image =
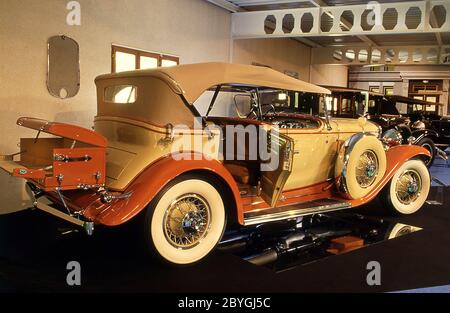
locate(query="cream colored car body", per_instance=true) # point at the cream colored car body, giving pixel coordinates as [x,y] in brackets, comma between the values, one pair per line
[315,151]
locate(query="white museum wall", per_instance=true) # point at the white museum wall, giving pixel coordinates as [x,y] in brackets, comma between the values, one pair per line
[329,75]
[280,54]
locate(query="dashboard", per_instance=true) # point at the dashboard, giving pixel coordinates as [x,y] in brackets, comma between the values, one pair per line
[295,123]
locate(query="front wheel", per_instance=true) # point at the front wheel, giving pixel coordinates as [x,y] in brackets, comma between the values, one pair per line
[186,221]
[428,144]
[408,189]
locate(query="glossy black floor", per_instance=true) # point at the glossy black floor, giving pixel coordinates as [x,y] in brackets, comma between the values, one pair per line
[33,257]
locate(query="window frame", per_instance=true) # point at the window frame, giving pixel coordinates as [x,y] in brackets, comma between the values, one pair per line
[105,100]
[388,90]
[138,53]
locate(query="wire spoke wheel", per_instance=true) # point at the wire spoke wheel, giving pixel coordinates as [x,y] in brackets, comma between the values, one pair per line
[187,221]
[408,187]
[367,169]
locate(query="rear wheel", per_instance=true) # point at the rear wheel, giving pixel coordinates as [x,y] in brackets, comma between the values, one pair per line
[186,221]
[408,189]
[428,144]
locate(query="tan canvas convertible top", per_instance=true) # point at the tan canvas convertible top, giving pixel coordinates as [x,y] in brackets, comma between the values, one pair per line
[193,79]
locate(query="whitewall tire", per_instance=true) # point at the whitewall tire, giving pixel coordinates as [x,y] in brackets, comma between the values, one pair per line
[408,189]
[186,221]
[363,169]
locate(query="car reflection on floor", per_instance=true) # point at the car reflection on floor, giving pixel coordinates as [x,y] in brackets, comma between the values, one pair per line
[285,245]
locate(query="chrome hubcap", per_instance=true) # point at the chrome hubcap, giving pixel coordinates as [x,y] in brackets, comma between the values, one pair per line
[367,169]
[408,187]
[187,221]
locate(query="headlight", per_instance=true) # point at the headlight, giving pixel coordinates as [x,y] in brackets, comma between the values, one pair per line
[418,125]
[392,137]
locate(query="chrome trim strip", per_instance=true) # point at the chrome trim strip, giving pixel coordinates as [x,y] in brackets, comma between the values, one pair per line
[296,212]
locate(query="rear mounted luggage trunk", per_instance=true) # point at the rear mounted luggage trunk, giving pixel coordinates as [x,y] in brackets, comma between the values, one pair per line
[73,159]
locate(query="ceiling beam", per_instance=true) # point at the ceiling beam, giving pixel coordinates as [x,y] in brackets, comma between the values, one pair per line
[316,3]
[234,8]
[224,4]
[344,22]
[302,40]
[433,22]
[248,3]
[308,42]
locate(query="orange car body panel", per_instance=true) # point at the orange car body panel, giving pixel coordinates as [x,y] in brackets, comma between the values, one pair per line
[68,131]
[396,157]
[147,186]
[68,168]
[290,197]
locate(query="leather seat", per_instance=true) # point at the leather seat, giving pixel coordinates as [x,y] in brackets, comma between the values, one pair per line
[239,172]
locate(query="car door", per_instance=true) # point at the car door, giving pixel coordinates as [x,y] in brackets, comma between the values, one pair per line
[274,179]
[444,127]
[314,156]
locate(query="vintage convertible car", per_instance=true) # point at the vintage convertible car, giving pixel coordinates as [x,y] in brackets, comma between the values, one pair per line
[187,148]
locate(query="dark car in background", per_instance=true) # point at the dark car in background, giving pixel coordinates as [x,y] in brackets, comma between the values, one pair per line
[404,119]
[425,115]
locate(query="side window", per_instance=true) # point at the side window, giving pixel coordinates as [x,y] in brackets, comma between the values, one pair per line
[346,106]
[242,104]
[120,94]
[229,103]
[372,107]
[402,107]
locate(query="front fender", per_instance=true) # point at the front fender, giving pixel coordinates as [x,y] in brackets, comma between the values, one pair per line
[152,180]
[395,158]
[422,133]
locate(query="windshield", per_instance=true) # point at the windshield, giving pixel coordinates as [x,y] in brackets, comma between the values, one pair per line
[238,101]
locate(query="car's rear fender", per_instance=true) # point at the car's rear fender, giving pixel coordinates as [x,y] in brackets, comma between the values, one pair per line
[395,158]
[153,179]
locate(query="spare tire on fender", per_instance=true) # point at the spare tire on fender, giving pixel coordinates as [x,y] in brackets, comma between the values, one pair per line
[360,165]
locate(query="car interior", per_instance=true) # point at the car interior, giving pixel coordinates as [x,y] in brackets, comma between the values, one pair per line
[249,105]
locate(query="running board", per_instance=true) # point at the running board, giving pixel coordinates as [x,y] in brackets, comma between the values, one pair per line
[294,211]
